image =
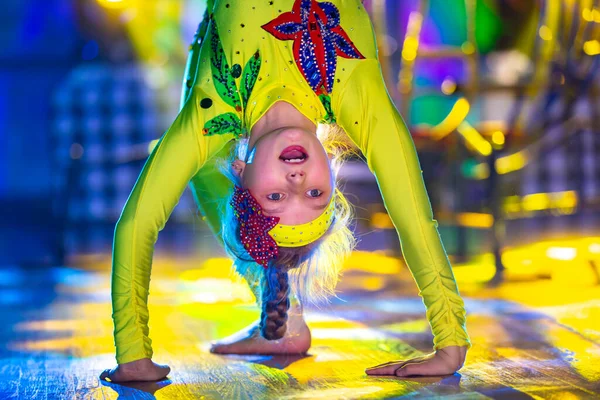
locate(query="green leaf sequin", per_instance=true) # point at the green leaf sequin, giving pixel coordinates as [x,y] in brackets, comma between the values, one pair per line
[223,124]
[329,116]
[249,77]
[222,78]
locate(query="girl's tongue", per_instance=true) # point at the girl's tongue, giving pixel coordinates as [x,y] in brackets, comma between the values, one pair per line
[289,154]
[297,153]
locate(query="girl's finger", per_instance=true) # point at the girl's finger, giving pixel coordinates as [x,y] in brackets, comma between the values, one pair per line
[385,369]
[424,368]
[386,364]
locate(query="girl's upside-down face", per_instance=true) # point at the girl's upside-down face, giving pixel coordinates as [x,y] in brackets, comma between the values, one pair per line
[289,174]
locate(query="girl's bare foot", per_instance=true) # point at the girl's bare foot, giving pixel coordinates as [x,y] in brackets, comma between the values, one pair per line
[249,340]
[139,370]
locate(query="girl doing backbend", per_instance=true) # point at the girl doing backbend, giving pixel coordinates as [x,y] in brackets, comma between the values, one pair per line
[272,85]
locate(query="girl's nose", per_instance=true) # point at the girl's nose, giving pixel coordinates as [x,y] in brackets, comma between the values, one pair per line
[296,177]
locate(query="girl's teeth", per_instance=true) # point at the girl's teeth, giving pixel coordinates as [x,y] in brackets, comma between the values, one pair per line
[294,160]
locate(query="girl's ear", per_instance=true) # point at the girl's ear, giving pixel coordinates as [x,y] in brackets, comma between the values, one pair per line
[238,168]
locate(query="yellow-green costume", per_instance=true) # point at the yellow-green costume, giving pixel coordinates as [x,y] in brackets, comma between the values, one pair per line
[243,67]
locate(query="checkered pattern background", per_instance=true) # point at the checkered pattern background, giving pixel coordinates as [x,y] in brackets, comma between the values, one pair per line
[574,165]
[569,161]
[567,157]
[108,115]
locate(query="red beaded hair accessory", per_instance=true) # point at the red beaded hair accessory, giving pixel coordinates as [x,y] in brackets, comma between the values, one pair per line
[254,227]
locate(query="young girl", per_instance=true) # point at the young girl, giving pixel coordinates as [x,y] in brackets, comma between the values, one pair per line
[272,83]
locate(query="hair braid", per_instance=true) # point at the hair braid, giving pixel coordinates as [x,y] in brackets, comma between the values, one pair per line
[275,302]
[275,297]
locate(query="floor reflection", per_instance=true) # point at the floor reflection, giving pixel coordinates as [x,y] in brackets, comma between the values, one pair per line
[532,338]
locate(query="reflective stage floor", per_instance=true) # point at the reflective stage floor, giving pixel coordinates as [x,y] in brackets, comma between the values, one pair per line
[531,338]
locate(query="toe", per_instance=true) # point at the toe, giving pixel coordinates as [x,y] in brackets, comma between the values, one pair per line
[218,348]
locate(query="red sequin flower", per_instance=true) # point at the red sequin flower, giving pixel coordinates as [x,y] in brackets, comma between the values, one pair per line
[318,40]
[254,227]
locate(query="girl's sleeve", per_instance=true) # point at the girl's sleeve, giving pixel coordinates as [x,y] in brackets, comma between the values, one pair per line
[178,155]
[370,118]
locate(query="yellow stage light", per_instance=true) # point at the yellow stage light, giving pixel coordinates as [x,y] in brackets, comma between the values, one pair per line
[409,54]
[512,162]
[475,139]
[545,33]
[536,202]
[504,165]
[512,204]
[594,248]
[373,262]
[557,259]
[480,269]
[498,138]
[373,283]
[475,220]
[591,47]
[455,117]
[565,202]
[562,253]
[411,42]
[381,220]
[114,4]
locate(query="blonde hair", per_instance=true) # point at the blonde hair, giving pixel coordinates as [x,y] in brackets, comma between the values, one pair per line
[316,272]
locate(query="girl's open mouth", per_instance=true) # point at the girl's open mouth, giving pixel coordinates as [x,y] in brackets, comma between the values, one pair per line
[294,155]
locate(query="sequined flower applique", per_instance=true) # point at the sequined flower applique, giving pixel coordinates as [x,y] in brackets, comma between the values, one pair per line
[254,227]
[318,40]
[224,79]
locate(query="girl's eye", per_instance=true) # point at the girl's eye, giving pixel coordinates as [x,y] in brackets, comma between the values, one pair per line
[314,193]
[274,196]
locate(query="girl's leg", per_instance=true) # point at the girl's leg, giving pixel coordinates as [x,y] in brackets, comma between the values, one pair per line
[210,187]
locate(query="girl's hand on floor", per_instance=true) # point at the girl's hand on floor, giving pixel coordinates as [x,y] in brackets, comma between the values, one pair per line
[139,370]
[444,361]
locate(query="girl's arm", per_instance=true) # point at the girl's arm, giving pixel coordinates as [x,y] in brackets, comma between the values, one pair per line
[370,118]
[178,155]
